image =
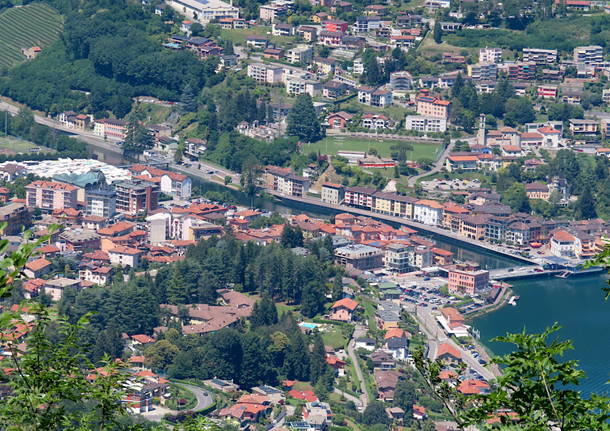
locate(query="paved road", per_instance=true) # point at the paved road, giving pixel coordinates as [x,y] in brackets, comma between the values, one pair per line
[436,336]
[204,399]
[359,331]
[437,167]
[348,396]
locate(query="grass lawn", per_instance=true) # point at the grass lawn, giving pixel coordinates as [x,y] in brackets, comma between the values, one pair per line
[13,145]
[429,47]
[239,36]
[334,338]
[333,144]
[155,114]
[454,175]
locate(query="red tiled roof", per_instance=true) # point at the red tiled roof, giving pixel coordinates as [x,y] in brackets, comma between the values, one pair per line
[55,185]
[38,264]
[471,387]
[448,349]
[308,396]
[142,338]
[348,303]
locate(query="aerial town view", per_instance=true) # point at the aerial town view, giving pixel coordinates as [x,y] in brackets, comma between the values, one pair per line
[310,215]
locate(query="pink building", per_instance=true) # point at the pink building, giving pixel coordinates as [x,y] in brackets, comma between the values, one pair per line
[110,129]
[50,195]
[467,282]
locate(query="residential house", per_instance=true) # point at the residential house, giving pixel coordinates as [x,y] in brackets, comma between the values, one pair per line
[338,120]
[386,381]
[37,268]
[428,212]
[374,97]
[285,181]
[50,195]
[343,310]
[332,193]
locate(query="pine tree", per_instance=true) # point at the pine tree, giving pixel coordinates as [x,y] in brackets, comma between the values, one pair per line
[318,365]
[438,32]
[188,99]
[585,205]
[372,72]
[303,121]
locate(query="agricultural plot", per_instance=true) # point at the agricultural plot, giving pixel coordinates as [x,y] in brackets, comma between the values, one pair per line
[24,27]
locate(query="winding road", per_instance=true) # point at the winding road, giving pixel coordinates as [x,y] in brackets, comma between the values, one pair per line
[359,331]
[204,399]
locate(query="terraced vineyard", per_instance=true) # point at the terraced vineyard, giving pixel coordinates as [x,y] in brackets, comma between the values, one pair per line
[25,26]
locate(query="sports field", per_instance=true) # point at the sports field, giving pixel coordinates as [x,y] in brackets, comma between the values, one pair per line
[333,144]
[12,145]
[24,27]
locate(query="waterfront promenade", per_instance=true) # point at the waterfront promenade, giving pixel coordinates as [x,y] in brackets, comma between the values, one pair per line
[406,222]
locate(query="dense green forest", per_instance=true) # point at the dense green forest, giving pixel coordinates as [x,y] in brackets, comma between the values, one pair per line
[563,34]
[110,51]
[133,307]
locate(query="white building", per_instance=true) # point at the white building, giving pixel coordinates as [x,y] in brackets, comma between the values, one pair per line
[125,256]
[540,56]
[428,212]
[300,54]
[490,55]
[204,11]
[265,73]
[422,123]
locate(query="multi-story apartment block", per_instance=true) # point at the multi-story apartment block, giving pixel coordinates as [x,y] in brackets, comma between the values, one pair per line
[273,11]
[101,202]
[547,91]
[204,11]
[359,256]
[361,197]
[332,193]
[591,55]
[335,25]
[467,282]
[285,181]
[108,128]
[300,54]
[375,97]
[490,55]
[50,195]
[483,71]
[330,38]
[522,71]
[401,80]
[433,107]
[422,123]
[398,257]
[136,196]
[578,126]
[540,56]
[16,216]
[265,73]
[296,85]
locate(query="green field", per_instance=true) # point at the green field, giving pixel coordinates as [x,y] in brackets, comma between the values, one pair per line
[333,144]
[12,145]
[239,36]
[25,26]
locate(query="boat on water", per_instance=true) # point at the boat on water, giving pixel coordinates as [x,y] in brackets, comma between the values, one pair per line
[513,300]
